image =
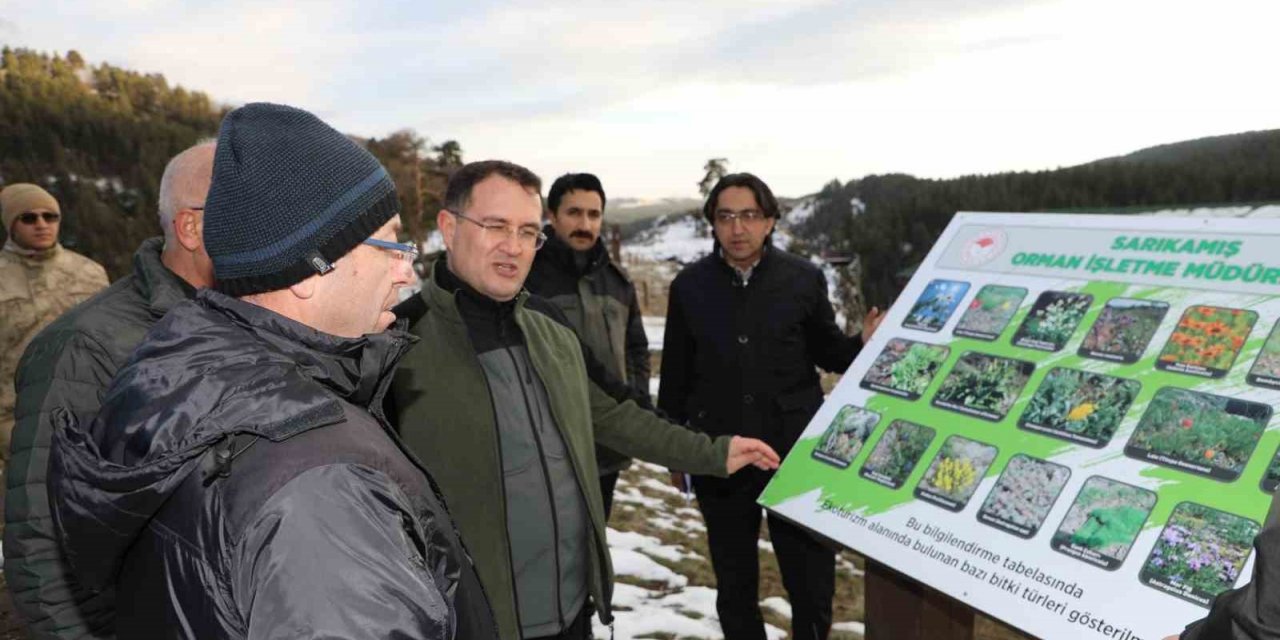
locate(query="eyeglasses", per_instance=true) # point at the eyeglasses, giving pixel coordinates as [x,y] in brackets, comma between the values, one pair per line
[726,217]
[30,217]
[500,231]
[405,252]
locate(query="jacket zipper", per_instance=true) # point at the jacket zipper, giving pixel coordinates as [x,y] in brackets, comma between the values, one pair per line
[546,481]
[506,523]
[597,535]
[502,488]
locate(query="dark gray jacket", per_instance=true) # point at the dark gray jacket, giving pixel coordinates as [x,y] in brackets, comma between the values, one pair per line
[69,365]
[241,481]
[599,301]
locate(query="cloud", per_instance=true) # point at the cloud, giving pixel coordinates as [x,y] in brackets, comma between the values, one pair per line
[643,91]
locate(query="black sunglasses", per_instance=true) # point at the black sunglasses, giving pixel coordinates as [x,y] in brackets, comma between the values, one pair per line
[30,217]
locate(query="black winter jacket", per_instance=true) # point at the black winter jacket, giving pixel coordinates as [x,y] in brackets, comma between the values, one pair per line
[600,303]
[739,358]
[70,365]
[241,481]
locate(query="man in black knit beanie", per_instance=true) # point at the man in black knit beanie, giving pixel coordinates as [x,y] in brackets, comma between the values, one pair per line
[241,480]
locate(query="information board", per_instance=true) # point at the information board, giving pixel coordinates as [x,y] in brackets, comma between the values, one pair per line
[1065,421]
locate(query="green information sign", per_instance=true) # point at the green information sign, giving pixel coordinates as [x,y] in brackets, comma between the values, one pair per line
[1066,421]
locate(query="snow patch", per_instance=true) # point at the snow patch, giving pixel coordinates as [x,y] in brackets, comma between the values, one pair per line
[800,213]
[655,329]
[680,239]
[647,545]
[640,566]
[660,487]
[779,605]
[855,627]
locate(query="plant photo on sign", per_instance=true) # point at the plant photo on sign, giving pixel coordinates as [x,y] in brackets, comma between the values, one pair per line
[983,386]
[1103,522]
[934,307]
[1200,553]
[955,472]
[1023,495]
[1271,477]
[897,453]
[1266,369]
[990,312]
[845,435]
[1123,329]
[1079,406]
[1207,341]
[1198,432]
[1053,318]
[905,368]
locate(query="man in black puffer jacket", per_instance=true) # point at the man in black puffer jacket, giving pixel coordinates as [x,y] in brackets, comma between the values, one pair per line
[746,326]
[241,479]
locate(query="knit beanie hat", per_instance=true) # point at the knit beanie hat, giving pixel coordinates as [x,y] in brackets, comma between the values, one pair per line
[21,197]
[290,195]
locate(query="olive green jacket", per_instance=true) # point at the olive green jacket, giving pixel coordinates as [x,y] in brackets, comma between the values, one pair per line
[446,417]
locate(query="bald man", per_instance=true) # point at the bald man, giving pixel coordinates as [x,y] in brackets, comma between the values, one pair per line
[70,365]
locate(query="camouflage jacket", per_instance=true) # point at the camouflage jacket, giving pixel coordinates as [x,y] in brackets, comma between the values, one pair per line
[35,290]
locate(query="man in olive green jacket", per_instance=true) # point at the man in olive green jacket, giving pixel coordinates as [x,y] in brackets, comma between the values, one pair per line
[503,405]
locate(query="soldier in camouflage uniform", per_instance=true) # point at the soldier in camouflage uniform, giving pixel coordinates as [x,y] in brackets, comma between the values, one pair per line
[39,280]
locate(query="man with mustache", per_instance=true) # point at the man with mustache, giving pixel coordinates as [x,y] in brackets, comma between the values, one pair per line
[574,271]
[503,403]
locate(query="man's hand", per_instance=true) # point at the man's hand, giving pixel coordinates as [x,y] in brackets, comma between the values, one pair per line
[1173,637]
[745,451]
[870,322]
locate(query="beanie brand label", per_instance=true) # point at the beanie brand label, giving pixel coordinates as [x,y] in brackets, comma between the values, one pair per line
[318,263]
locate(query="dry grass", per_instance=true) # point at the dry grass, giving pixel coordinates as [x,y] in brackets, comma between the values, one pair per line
[848,604]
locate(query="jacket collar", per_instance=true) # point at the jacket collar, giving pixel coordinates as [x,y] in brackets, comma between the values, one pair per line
[33,256]
[766,257]
[467,302]
[160,287]
[564,257]
[356,369]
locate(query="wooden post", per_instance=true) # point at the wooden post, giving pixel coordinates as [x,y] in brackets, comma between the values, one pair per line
[899,608]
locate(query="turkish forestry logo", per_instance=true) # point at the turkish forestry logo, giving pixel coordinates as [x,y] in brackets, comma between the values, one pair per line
[984,247]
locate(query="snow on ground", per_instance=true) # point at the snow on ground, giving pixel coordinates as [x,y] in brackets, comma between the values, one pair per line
[681,239]
[801,212]
[628,494]
[671,238]
[672,608]
[855,627]
[640,566]
[779,606]
[648,545]
[655,329]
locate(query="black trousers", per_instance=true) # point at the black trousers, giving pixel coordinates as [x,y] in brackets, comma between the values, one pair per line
[607,484]
[808,567]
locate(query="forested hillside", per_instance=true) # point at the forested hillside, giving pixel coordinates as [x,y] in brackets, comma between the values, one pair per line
[891,221]
[98,138]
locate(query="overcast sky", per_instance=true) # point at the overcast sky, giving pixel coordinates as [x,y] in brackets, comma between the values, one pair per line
[642,92]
